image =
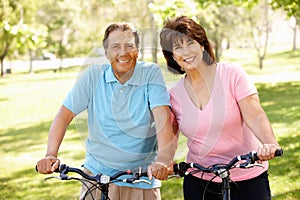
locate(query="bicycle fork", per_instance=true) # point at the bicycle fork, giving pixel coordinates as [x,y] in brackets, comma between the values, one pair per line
[226,188]
[224,174]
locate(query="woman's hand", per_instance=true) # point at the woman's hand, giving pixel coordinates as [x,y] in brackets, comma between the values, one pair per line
[267,151]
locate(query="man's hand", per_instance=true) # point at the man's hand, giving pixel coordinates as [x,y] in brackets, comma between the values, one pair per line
[160,170]
[47,165]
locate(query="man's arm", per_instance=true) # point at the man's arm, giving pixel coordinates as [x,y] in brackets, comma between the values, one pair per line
[167,143]
[57,132]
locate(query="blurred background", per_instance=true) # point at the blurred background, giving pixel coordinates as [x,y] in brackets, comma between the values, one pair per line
[32,30]
[44,45]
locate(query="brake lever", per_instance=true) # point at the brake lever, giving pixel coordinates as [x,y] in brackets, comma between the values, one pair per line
[254,165]
[249,165]
[57,177]
[174,176]
[141,181]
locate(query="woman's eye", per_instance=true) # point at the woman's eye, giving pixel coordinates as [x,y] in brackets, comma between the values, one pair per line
[176,48]
[191,42]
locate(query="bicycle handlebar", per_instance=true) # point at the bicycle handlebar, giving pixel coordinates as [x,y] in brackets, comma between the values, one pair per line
[101,178]
[182,167]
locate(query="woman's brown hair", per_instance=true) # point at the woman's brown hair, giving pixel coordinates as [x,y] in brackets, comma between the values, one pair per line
[176,30]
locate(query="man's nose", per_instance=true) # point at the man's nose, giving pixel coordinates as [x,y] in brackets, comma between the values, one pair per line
[123,50]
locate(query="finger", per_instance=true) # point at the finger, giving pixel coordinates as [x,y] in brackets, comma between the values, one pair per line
[55,166]
[149,173]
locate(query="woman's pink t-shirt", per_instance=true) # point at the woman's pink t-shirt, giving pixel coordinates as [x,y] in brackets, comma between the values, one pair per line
[217,133]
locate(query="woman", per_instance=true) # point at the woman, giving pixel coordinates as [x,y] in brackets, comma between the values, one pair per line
[217,108]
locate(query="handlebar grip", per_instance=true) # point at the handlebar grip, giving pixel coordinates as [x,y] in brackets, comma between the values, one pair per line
[181,168]
[175,168]
[278,152]
[56,170]
[144,174]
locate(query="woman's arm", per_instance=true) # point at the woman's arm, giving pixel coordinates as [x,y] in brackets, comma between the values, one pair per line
[257,120]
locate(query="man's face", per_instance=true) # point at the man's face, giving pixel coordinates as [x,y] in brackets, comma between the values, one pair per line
[122,52]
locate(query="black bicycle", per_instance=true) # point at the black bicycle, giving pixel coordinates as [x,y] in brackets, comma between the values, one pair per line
[221,170]
[99,181]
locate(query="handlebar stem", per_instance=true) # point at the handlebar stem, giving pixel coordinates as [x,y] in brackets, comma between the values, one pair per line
[223,173]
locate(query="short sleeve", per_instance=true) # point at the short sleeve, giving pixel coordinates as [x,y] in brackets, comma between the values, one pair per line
[79,96]
[157,90]
[243,85]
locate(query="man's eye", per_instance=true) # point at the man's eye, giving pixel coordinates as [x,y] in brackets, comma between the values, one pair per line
[115,47]
[129,47]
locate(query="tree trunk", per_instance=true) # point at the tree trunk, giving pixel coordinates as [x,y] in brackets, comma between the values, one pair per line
[142,47]
[295,36]
[261,60]
[2,66]
[154,45]
[30,62]
[154,35]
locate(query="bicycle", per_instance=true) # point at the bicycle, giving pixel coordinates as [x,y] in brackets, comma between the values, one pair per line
[221,170]
[99,181]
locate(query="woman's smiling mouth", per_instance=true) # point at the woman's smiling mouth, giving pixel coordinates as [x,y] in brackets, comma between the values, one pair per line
[189,60]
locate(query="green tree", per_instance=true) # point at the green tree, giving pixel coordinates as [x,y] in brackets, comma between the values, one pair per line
[10,25]
[260,22]
[220,22]
[18,31]
[30,40]
[292,8]
[59,18]
[162,10]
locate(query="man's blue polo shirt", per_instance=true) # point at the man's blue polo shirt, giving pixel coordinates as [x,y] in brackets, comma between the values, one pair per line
[121,127]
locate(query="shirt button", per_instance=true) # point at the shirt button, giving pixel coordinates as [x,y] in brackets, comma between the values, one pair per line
[121,91]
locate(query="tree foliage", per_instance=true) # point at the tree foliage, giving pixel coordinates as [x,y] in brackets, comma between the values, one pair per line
[19,32]
[69,28]
[292,7]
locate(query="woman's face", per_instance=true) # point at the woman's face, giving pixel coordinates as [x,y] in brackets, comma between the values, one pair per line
[188,53]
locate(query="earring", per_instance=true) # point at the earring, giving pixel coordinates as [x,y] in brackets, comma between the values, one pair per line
[173,58]
[182,69]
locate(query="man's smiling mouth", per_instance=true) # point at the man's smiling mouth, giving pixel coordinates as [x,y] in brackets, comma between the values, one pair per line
[123,61]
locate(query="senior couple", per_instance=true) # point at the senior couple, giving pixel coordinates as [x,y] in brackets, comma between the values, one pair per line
[134,121]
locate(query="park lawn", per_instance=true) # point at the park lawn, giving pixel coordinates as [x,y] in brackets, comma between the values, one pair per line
[29,103]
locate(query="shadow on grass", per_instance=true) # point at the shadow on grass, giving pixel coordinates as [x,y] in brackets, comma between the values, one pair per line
[22,182]
[288,164]
[291,195]
[286,54]
[28,184]
[281,101]
[16,139]
[23,139]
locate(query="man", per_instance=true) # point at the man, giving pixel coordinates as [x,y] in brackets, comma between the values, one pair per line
[128,118]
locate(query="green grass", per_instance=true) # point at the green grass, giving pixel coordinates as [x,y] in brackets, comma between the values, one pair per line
[28,103]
